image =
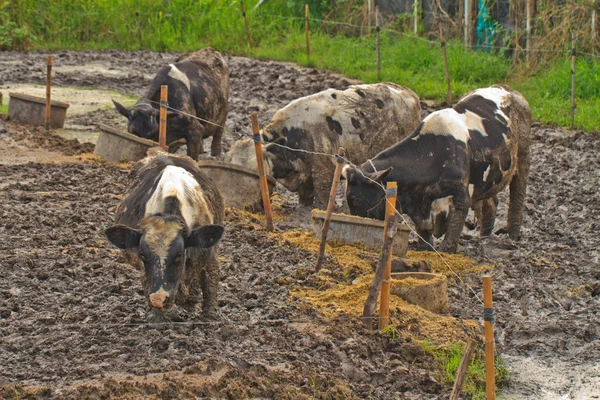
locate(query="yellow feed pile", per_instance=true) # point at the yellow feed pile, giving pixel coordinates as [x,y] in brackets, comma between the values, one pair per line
[453,262]
[344,254]
[409,319]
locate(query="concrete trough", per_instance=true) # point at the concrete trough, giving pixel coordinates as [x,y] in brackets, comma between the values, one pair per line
[239,186]
[117,146]
[424,289]
[365,231]
[31,110]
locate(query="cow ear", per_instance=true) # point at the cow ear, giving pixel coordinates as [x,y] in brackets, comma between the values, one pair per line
[123,236]
[347,172]
[122,110]
[205,237]
[379,176]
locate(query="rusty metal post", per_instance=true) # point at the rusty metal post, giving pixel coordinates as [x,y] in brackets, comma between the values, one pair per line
[488,321]
[139,28]
[264,187]
[446,65]
[162,129]
[377,29]
[384,300]
[330,206]
[573,55]
[246,23]
[48,91]
[306,29]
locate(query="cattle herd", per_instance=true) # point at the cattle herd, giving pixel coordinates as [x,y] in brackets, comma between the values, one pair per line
[458,158]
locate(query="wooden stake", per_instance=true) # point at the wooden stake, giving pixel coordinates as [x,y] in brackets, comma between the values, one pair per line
[467,22]
[446,65]
[375,287]
[48,91]
[162,128]
[416,15]
[527,30]
[461,373]
[247,26]
[264,187]
[306,29]
[377,44]
[488,321]
[594,17]
[573,55]
[368,17]
[330,206]
[384,300]
[139,27]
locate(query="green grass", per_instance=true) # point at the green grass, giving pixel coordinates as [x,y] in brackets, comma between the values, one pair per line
[3,109]
[185,25]
[449,360]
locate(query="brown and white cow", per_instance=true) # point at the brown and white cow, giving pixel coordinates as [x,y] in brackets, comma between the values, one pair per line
[199,86]
[363,119]
[171,219]
[460,155]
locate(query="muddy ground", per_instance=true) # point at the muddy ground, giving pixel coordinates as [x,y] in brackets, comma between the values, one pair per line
[64,292]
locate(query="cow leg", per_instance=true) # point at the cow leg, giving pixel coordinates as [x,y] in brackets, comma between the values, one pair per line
[426,243]
[195,146]
[518,189]
[487,216]
[217,136]
[456,221]
[322,175]
[209,280]
[306,194]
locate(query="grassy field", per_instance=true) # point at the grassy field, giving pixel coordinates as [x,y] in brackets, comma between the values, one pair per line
[277,33]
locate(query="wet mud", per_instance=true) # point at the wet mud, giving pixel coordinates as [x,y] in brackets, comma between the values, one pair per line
[65,293]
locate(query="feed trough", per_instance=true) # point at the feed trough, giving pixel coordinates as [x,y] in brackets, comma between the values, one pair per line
[117,146]
[365,231]
[32,110]
[424,289]
[239,186]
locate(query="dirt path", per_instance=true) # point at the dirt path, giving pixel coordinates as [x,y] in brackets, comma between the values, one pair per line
[546,287]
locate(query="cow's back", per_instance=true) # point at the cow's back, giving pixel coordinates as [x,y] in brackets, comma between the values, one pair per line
[145,177]
[364,119]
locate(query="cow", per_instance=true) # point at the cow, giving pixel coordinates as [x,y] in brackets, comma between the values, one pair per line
[198,87]
[363,119]
[171,220]
[461,156]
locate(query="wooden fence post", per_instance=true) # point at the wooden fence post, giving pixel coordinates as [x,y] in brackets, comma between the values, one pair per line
[330,206]
[306,29]
[377,29]
[527,29]
[488,321]
[416,16]
[461,372]
[162,129]
[594,17]
[573,55]
[467,22]
[139,28]
[48,91]
[384,300]
[246,23]
[446,65]
[264,187]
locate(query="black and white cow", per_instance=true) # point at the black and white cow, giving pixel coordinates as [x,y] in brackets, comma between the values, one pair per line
[363,119]
[199,86]
[171,219]
[462,155]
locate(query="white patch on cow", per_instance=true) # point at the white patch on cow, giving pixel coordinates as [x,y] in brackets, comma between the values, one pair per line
[393,89]
[446,122]
[243,153]
[471,189]
[176,74]
[442,205]
[475,122]
[177,182]
[345,171]
[486,173]
[498,95]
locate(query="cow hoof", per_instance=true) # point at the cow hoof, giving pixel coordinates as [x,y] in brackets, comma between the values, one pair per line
[502,231]
[212,315]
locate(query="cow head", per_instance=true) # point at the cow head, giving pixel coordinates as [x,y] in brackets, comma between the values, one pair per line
[288,166]
[143,119]
[364,194]
[161,243]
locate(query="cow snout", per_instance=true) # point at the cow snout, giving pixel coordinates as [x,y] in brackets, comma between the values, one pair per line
[159,299]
